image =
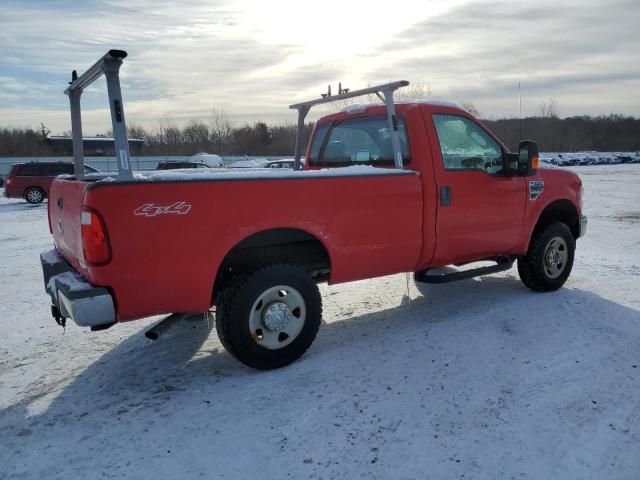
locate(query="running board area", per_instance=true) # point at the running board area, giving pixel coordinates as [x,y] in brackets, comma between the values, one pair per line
[502,264]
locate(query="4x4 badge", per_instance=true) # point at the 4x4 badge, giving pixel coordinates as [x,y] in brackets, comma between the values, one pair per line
[151,210]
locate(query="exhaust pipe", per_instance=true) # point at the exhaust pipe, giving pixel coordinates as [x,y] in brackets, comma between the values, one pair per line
[163,325]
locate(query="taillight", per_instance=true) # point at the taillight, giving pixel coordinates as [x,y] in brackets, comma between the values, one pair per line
[95,241]
[9,181]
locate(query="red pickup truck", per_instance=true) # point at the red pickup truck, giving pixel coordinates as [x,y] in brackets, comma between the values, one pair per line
[385,188]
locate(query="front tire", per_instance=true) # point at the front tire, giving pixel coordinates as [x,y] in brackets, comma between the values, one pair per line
[548,263]
[34,195]
[270,318]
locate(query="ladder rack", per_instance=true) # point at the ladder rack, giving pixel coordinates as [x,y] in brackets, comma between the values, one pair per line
[384,91]
[109,65]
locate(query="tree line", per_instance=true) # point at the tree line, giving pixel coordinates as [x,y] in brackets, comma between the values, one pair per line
[218,135]
[612,133]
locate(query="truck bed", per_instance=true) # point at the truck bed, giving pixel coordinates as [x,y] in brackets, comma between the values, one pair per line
[170,231]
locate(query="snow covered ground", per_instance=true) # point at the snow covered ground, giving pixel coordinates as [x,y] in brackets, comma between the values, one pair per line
[476,379]
[589,158]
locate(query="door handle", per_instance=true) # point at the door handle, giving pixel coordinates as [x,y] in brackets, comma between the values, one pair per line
[445,196]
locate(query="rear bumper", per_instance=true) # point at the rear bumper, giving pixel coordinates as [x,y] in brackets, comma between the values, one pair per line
[583,226]
[77,299]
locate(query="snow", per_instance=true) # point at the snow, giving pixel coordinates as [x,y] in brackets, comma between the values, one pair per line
[256,163]
[589,158]
[51,257]
[476,379]
[360,107]
[261,173]
[74,282]
[209,159]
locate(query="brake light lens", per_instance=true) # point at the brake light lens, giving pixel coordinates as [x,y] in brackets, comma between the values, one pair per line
[95,241]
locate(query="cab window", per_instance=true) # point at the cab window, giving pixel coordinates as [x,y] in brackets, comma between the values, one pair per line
[466,146]
[357,141]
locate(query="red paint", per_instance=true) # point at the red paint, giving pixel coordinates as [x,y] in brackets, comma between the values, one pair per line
[168,239]
[17,185]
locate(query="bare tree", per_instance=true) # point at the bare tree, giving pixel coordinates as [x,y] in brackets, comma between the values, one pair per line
[171,134]
[135,130]
[196,133]
[220,129]
[414,92]
[469,107]
[549,108]
[44,131]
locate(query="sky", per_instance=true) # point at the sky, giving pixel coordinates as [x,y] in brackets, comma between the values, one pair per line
[252,59]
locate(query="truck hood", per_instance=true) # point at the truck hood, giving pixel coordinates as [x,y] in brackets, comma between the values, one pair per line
[560,176]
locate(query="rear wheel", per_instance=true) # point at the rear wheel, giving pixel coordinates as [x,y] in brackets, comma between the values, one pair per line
[34,195]
[270,318]
[548,263]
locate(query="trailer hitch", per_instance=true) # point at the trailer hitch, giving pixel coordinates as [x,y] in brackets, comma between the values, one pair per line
[60,320]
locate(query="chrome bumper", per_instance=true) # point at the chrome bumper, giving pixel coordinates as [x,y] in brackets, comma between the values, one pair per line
[583,226]
[75,298]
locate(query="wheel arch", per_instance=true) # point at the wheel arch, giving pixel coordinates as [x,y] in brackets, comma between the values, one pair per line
[562,210]
[275,245]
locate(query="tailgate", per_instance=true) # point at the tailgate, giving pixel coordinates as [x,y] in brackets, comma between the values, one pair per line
[66,198]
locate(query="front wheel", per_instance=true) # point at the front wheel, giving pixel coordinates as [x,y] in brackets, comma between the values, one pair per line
[547,264]
[270,318]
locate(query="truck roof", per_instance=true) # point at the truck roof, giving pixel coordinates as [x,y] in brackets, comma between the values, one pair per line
[401,107]
[441,103]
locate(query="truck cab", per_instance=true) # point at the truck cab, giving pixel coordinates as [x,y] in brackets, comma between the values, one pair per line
[480,199]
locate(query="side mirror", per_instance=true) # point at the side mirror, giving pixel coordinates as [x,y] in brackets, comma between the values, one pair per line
[528,158]
[510,164]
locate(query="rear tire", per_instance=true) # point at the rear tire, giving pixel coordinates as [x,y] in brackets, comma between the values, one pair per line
[548,263]
[34,195]
[270,318]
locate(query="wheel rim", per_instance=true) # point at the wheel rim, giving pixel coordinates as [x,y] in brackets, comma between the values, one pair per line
[34,196]
[277,317]
[556,256]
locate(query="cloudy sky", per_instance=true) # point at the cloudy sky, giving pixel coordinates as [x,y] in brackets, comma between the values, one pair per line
[253,58]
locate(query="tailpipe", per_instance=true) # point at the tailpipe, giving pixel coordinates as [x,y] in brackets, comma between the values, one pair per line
[163,325]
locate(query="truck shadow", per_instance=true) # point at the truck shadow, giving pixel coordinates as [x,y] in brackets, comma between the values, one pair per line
[188,363]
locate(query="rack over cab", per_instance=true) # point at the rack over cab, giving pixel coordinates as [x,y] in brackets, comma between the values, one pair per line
[385,188]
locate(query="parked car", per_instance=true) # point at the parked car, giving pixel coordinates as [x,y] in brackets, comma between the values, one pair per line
[174,165]
[32,180]
[279,163]
[209,159]
[255,163]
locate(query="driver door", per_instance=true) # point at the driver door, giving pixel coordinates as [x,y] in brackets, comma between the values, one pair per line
[480,211]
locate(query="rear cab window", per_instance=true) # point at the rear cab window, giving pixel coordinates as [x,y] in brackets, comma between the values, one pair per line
[357,141]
